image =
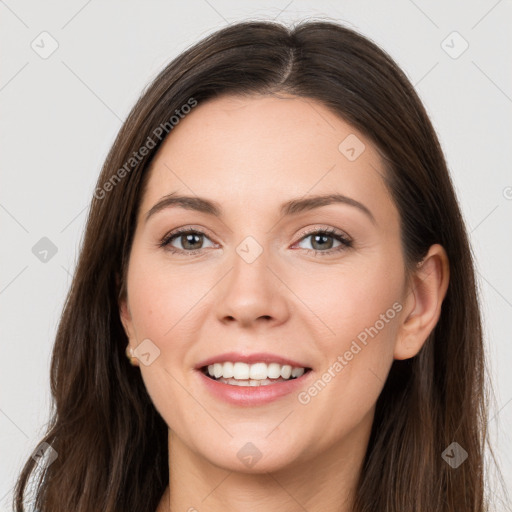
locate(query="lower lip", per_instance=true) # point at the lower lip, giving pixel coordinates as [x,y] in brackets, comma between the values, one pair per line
[253,395]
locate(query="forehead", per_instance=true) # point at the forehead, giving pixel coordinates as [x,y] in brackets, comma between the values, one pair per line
[259,151]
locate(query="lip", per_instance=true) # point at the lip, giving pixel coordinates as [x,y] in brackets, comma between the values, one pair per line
[249,396]
[260,357]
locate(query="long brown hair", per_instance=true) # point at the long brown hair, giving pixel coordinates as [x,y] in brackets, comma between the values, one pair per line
[111,443]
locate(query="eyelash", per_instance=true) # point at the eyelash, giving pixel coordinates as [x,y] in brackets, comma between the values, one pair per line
[331,232]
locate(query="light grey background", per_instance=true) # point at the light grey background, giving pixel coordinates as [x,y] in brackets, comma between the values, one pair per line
[60,114]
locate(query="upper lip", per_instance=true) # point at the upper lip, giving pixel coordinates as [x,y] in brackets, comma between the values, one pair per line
[259,357]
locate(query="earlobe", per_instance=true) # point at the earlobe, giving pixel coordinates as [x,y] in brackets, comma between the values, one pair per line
[429,285]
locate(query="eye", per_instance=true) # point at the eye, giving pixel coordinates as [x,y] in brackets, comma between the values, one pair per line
[322,241]
[191,241]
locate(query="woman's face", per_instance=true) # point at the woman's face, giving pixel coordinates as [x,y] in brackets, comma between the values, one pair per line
[272,277]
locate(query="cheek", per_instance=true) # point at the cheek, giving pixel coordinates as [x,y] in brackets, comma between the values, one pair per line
[356,364]
[355,324]
[162,307]
[350,297]
[163,300]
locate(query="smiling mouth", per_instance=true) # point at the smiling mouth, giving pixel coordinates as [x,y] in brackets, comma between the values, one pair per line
[252,375]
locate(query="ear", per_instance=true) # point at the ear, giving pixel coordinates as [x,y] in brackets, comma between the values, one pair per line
[126,320]
[425,294]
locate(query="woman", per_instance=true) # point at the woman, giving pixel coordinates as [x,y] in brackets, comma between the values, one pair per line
[276,243]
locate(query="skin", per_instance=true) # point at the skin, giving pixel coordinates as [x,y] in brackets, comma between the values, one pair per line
[252,154]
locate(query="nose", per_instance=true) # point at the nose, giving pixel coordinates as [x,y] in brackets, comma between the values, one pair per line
[253,293]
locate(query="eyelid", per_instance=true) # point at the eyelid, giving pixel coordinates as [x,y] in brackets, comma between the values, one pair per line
[323,229]
[345,240]
[184,229]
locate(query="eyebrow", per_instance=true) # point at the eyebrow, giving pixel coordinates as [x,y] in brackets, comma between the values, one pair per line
[289,208]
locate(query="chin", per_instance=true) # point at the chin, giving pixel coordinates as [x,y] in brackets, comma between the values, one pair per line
[252,457]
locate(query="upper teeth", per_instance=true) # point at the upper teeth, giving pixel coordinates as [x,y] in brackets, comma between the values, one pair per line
[256,371]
